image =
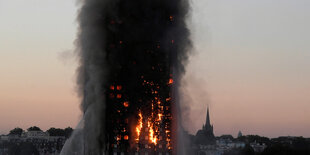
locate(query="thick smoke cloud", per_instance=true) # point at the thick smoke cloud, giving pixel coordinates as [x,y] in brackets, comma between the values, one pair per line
[125,40]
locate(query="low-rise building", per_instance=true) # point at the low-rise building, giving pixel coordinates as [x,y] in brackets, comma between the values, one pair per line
[42,141]
[258,147]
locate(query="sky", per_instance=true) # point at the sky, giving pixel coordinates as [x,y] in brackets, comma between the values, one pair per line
[250,64]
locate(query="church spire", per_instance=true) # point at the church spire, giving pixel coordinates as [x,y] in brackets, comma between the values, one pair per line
[206,135]
[208,118]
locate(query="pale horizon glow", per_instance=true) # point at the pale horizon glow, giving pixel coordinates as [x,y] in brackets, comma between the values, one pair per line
[250,65]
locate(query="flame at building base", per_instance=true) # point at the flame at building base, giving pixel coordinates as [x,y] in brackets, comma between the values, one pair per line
[132,56]
[140,121]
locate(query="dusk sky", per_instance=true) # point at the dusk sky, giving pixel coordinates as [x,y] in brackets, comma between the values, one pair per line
[250,64]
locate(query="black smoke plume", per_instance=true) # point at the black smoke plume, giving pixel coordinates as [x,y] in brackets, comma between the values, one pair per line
[126,43]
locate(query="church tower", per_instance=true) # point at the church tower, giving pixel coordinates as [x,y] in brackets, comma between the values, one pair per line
[206,136]
[207,126]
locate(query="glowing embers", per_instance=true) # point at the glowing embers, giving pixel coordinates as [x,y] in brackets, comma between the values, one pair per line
[119,87]
[115,89]
[119,96]
[170,81]
[126,104]
[119,137]
[118,121]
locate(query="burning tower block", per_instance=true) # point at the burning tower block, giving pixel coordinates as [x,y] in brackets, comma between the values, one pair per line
[132,56]
[139,116]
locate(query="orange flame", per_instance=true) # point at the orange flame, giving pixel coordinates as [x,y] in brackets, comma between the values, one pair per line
[153,138]
[139,127]
[159,116]
[153,122]
[118,138]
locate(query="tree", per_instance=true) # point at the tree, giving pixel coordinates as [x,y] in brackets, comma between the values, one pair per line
[17,131]
[60,132]
[34,128]
[23,148]
[56,132]
[254,138]
[227,137]
[68,132]
[247,150]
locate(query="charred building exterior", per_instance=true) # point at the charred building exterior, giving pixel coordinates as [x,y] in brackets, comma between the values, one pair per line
[132,58]
[139,114]
[138,96]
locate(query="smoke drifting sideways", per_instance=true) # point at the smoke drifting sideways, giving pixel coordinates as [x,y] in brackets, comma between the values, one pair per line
[121,39]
